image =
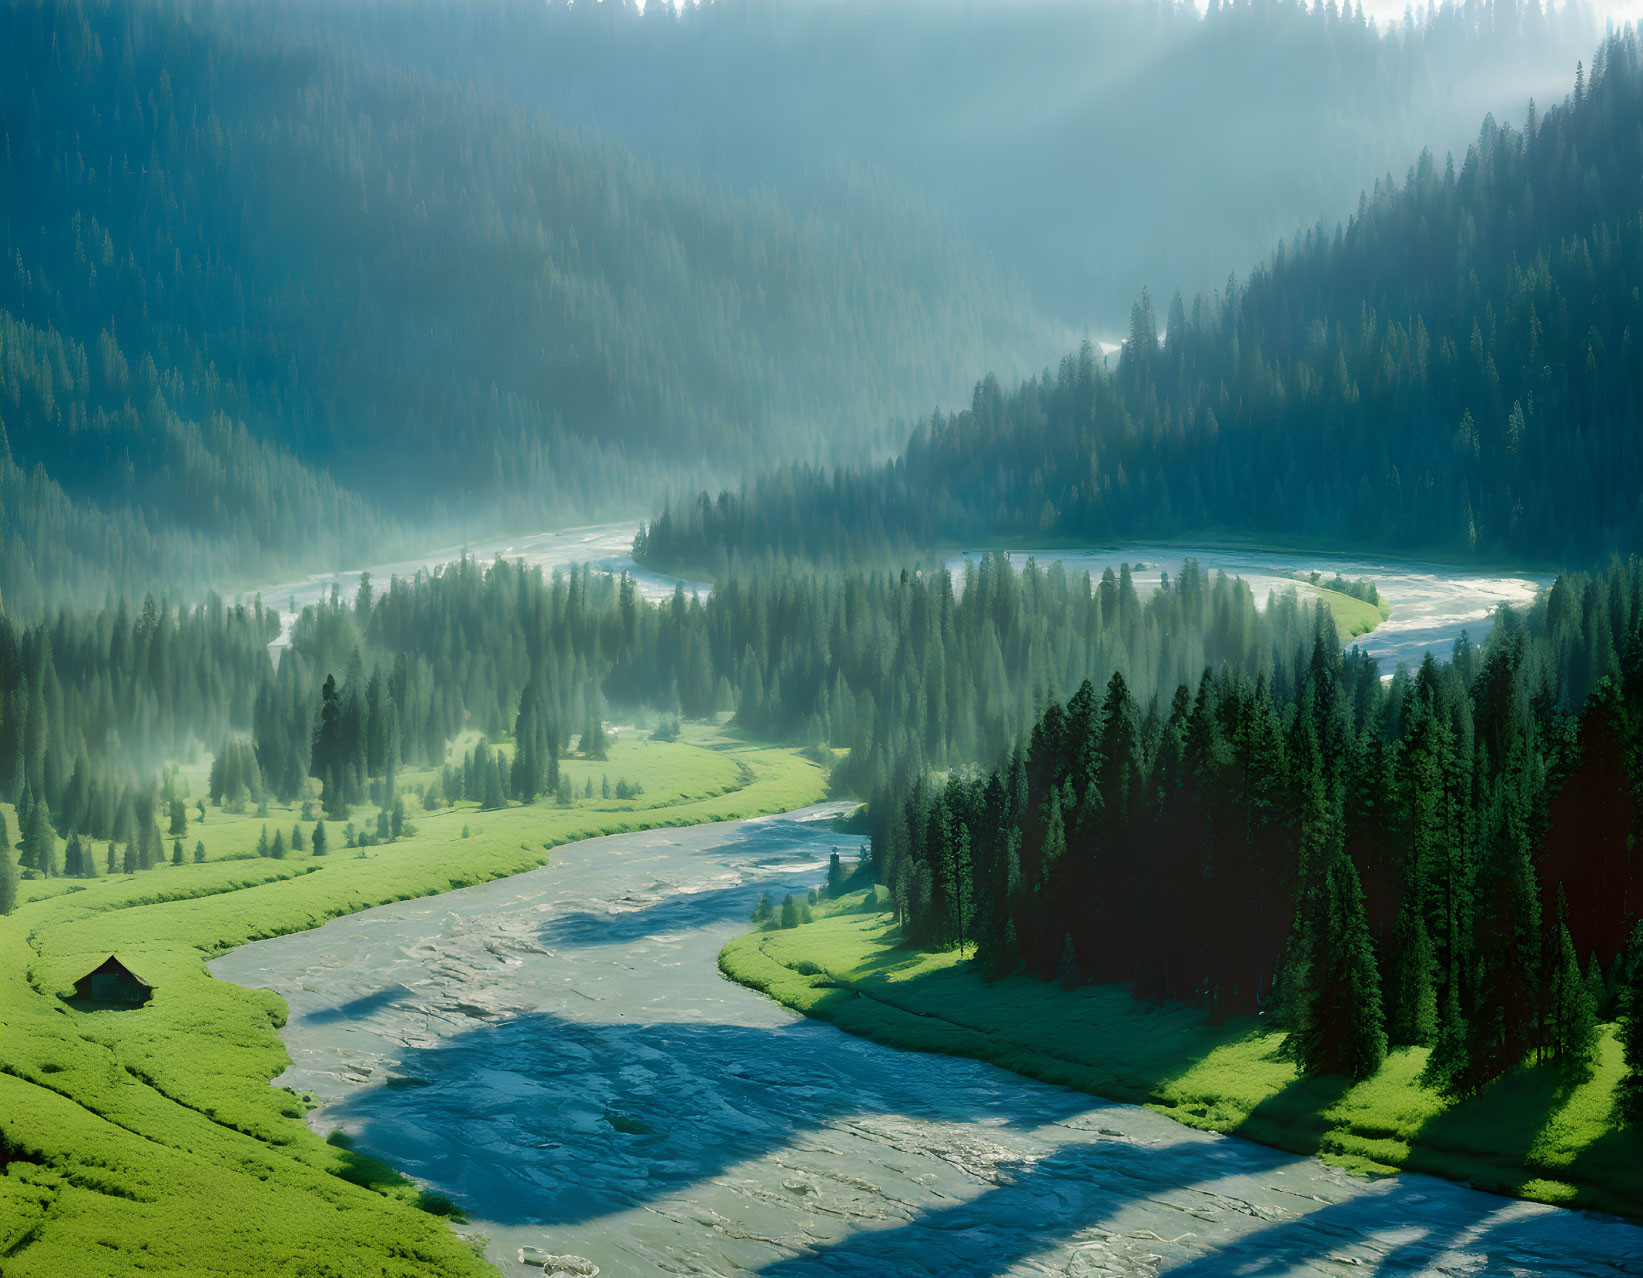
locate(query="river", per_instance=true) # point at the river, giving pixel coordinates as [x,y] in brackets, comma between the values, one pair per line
[1432,603]
[558,1053]
[607,547]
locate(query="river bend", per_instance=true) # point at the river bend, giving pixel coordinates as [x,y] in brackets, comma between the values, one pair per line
[559,1054]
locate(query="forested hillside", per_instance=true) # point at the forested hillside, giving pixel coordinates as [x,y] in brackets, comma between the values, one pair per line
[267,297]
[1454,368]
[1039,124]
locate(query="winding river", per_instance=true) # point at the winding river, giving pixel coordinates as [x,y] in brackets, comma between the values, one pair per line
[1432,603]
[558,1053]
[607,547]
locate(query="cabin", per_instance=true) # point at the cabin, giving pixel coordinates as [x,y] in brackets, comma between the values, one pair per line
[113,982]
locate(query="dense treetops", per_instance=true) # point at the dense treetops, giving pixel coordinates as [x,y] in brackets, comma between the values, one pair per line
[1455,368]
[903,671]
[1447,858]
[265,295]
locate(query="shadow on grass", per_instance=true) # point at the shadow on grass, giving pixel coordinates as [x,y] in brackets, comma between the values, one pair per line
[1295,1117]
[1489,1140]
[1613,1165]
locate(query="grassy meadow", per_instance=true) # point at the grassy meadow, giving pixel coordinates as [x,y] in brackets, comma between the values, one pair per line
[1353,616]
[155,1132]
[1535,1134]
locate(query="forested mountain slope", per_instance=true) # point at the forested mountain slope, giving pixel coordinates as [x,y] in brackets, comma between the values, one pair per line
[1455,368]
[253,270]
[1092,146]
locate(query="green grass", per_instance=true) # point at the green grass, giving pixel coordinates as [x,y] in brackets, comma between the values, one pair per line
[150,1142]
[1533,1135]
[1353,616]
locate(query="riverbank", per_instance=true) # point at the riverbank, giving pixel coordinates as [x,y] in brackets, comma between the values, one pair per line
[154,1133]
[1535,1135]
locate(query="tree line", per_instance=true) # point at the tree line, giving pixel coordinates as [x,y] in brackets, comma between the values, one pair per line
[896,671]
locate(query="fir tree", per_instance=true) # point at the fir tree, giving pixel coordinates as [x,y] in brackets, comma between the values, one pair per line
[1341,1027]
[1447,1068]
[1630,1028]
[8,882]
[1413,1001]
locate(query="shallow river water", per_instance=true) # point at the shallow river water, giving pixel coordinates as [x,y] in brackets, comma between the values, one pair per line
[558,1053]
[1432,603]
[607,547]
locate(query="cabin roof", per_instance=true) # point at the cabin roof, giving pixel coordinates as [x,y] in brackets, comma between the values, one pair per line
[112,966]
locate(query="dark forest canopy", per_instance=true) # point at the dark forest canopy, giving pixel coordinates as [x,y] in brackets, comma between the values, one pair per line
[268,300]
[1092,146]
[1449,858]
[1456,368]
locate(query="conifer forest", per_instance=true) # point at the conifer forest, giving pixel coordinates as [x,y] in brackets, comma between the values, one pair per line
[820,637]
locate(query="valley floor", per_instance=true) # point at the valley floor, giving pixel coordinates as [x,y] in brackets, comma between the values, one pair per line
[150,1141]
[1534,1135]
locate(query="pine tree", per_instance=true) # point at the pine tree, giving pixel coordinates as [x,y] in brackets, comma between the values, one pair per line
[276,849]
[1412,1005]
[1507,944]
[1341,1028]
[132,861]
[177,852]
[8,882]
[1447,1068]
[39,844]
[790,911]
[321,844]
[1066,966]
[199,851]
[1630,1028]
[1571,1030]
[492,796]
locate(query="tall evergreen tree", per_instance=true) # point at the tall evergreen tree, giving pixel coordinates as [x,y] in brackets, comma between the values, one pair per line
[1412,1001]
[1630,1028]
[1341,1027]
[8,882]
